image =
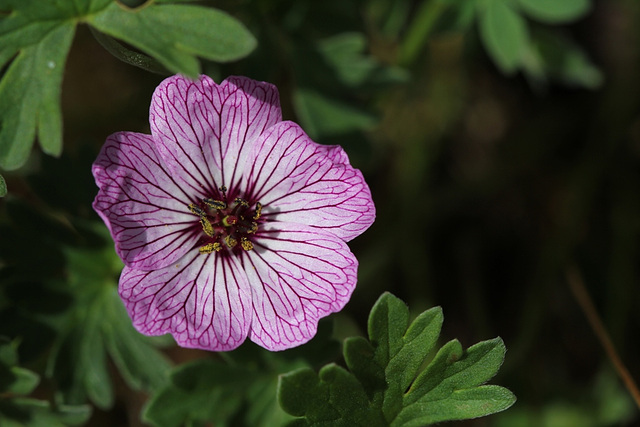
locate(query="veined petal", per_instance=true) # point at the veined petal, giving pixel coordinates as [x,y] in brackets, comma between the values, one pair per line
[298,275]
[250,108]
[300,181]
[141,204]
[204,301]
[204,131]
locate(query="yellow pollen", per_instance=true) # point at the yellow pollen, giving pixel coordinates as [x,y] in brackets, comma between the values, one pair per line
[258,212]
[241,202]
[215,204]
[254,228]
[230,241]
[207,227]
[196,210]
[246,244]
[207,249]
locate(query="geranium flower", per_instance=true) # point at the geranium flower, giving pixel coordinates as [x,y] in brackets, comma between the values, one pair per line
[230,222]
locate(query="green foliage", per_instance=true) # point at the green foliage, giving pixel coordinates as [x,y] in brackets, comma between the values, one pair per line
[604,403]
[505,33]
[553,11]
[330,68]
[241,390]
[386,383]
[3,187]
[176,34]
[97,327]
[30,95]
[17,410]
[555,56]
[208,390]
[35,38]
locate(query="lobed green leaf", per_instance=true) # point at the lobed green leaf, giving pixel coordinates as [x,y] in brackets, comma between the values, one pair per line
[30,98]
[460,405]
[325,116]
[384,385]
[561,59]
[99,327]
[504,34]
[175,33]
[213,391]
[555,11]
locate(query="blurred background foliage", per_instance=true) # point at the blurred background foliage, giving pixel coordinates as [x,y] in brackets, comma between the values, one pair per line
[501,141]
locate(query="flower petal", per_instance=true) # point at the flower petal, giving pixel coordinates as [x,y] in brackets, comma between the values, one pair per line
[298,180]
[204,301]
[141,204]
[298,275]
[203,131]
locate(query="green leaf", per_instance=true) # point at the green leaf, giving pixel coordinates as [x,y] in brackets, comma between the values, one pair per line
[3,187]
[20,412]
[504,34]
[323,116]
[30,98]
[14,379]
[98,327]
[460,405]
[345,54]
[201,390]
[25,381]
[140,364]
[439,393]
[333,397]
[385,384]
[555,56]
[555,11]
[16,410]
[175,34]
[216,392]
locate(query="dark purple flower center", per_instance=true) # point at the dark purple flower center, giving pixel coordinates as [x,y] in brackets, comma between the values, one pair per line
[227,224]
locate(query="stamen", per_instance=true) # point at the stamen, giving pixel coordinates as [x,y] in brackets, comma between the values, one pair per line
[196,210]
[246,244]
[258,212]
[210,247]
[215,204]
[253,228]
[241,202]
[223,190]
[231,241]
[207,227]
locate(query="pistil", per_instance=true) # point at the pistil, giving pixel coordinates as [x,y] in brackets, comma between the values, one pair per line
[224,225]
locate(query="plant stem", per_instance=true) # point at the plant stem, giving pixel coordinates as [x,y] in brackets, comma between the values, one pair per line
[584,300]
[419,30]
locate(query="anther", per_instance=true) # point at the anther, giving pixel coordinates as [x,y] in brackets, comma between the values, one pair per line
[207,227]
[246,244]
[230,241]
[241,202]
[215,204]
[253,228]
[210,247]
[196,210]
[258,211]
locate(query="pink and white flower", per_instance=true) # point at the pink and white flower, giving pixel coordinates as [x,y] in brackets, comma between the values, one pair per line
[230,222]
